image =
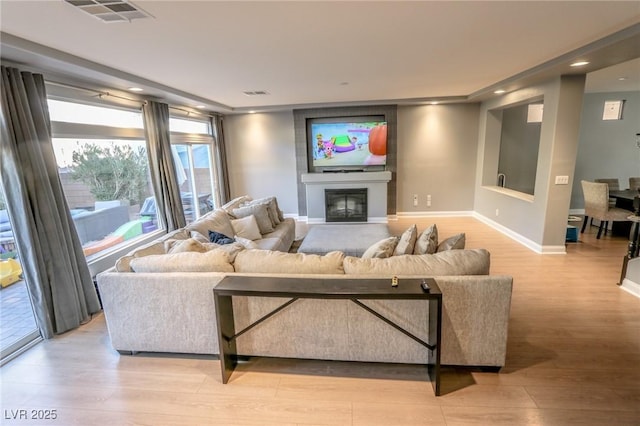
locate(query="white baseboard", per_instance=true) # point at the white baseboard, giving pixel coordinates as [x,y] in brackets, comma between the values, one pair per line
[315,221]
[631,287]
[436,214]
[532,245]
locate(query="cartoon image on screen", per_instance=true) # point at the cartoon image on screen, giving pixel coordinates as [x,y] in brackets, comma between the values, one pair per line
[349,143]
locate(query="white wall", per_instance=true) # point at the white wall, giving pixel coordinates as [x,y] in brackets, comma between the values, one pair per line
[261,156]
[437,150]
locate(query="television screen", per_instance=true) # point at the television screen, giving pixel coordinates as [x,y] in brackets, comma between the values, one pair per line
[348,142]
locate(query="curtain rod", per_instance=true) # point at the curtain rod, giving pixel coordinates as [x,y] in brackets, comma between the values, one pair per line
[139,101]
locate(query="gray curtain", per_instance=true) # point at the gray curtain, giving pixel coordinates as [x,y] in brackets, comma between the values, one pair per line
[221,159]
[54,265]
[163,172]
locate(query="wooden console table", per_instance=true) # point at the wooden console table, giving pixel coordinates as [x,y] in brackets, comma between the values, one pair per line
[319,288]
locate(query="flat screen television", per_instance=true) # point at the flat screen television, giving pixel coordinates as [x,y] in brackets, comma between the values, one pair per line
[347,143]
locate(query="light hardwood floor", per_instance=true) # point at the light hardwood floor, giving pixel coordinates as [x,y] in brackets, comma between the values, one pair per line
[573,358]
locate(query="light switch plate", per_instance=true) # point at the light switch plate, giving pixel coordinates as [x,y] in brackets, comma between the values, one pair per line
[562,180]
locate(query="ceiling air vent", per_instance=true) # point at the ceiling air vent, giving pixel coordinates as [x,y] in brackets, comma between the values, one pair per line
[110,10]
[256,92]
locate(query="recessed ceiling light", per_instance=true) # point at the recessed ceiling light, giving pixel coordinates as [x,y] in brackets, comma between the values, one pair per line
[622,78]
[499,92]
[579,64]
[344,83]
[252,112]
[135,89]
[200,106]
[434,102]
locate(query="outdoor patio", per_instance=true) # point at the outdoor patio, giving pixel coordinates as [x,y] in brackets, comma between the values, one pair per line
[16,315]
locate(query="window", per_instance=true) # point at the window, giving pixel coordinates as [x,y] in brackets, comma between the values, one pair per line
[105,176]
[193,157]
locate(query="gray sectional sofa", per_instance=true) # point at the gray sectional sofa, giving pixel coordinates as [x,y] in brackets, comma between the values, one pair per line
[163,302]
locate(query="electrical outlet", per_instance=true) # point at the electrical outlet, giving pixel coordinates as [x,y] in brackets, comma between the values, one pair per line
[415,199]
[562,180]
[429,200]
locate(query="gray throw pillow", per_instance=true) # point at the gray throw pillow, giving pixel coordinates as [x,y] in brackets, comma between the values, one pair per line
[272,208]
[455,242]
[260,212]
[427,242]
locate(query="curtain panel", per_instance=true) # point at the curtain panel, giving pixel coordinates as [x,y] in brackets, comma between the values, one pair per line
[161,164]
[222,169]
[53,263]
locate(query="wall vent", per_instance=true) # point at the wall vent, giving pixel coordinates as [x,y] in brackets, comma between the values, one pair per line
[256,92]
[110,10]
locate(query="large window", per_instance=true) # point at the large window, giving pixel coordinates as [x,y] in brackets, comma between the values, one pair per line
[192,146]
[103,166]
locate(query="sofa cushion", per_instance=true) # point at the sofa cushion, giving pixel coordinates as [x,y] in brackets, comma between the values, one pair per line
[178,234]
[427,242]
[246,243]
[455,242]
[124,263]
[381,249]
[217,220]
[212,261]
[451,262]
[407,241]
[261,213]
[199,237]
[266,261]
[246,227]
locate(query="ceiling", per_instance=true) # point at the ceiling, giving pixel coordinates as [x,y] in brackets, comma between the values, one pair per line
[324,53]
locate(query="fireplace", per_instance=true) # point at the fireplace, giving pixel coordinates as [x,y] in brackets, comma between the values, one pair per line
[346,205]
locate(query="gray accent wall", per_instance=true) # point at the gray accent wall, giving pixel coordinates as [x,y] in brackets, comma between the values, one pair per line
[607,149]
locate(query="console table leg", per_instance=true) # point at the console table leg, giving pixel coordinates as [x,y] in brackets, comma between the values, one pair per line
[226,331]
[435,339]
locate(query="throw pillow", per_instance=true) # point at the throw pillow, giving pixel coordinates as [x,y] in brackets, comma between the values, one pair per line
[407,241]
[260,212]
[218,238]
[272,208]
[381,249]
[199,237]
[217,220]
[246,243]
[427,242]
[455,242]
[246,227]
[190,244]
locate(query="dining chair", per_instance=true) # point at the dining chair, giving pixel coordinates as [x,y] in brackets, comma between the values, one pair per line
[634,183]
[596,206]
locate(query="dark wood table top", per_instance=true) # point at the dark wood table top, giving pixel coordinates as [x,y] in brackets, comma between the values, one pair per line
[324,288]
[627,194]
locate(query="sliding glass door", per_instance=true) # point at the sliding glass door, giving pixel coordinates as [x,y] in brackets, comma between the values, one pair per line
[18,329]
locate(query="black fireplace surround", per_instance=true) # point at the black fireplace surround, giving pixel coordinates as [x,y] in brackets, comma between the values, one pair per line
[345,205]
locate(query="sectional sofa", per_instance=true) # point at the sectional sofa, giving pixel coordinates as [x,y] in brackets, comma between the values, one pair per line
[159,300]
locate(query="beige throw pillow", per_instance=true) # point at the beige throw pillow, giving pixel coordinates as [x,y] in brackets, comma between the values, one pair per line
[381,249]
[277,262]
[246,243]
[272,208]
[427,242]
[455,242]
[407,241]
[260,212]
[217,220]
[246,227]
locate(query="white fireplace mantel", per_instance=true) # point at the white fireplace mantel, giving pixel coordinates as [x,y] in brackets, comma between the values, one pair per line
[375,182]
